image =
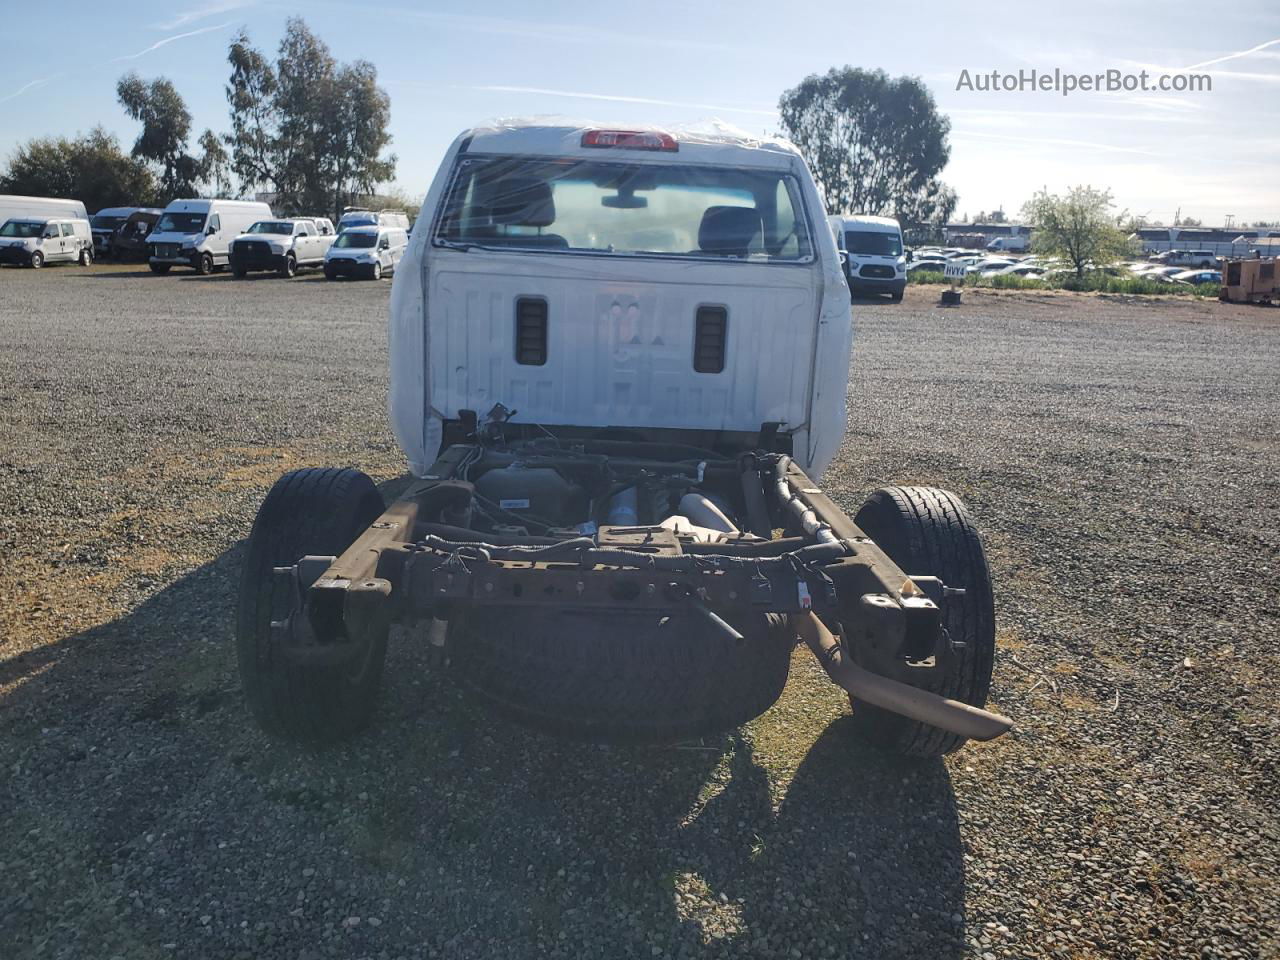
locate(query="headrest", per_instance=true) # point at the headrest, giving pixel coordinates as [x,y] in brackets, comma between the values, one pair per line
[728,230]
[517,201]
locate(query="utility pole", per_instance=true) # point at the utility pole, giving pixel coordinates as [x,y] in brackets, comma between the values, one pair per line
[1230,217]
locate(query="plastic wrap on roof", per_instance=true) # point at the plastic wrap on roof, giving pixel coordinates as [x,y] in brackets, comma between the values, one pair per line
[710,131]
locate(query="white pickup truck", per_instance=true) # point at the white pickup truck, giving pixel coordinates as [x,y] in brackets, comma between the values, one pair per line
[283,246]
[619,363]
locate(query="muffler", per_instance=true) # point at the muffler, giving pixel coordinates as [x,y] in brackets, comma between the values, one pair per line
[950,715]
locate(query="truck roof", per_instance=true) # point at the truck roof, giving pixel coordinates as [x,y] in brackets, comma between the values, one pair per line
[883,224]
[713,142]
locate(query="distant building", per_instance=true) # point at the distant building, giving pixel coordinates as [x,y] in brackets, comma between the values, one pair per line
[989,231]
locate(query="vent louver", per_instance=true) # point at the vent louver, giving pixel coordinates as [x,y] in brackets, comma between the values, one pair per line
[531,331]
[711,327]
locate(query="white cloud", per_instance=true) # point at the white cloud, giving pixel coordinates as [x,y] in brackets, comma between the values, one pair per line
[209,8]
[1056,142]
[615,98]
[542,29]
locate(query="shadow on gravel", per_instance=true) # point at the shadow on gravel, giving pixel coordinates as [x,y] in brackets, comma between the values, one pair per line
[129,753]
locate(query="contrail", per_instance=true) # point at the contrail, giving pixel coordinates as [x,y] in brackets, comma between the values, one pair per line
[179,36]
[619,99]
[27,86]
[1234,56]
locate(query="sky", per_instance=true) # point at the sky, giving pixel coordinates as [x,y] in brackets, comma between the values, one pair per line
[1208,153]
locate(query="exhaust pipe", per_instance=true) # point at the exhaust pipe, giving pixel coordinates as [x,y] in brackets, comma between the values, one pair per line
[950,715]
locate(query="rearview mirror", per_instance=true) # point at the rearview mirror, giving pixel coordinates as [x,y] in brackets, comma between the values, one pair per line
[624,201]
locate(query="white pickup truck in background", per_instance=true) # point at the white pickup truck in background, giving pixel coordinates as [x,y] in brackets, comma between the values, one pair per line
[283,246]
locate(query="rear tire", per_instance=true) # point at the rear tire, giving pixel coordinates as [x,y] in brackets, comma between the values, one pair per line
[86,257]
[160,268]
[622,677]
[320,512]
[927,532]
[239,272]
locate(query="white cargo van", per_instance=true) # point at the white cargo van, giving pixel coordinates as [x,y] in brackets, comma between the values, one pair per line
[367,251]
[37,208]
[874,260]
[198,233]
[35,241]
[1017,240]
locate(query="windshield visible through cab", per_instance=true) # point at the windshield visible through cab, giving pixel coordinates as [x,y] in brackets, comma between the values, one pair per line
[647,209]
[873,243]
[181,223]
[271,226]
[356,240]
[21,228]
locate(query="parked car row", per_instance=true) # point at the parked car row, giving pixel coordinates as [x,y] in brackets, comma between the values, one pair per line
[1170,267]
[204,235]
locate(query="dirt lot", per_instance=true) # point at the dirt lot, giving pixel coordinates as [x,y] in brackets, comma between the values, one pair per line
[1121,458]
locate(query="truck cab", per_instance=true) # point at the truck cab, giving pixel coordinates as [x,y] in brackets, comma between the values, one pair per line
[633,281]
[875,261]
[283,245]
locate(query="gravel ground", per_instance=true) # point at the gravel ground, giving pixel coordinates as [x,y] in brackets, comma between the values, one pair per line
[1120,456]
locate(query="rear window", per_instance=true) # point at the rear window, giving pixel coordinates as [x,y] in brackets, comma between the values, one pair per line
[625,209]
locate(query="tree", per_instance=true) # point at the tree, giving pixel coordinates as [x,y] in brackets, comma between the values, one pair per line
[875,144]
[1077,226]
[357,133]
[215,164]
[166,123]
[90,168]
[309,129]
[251,96]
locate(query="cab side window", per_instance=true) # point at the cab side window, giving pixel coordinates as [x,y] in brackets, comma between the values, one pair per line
[215,223]
[67,230]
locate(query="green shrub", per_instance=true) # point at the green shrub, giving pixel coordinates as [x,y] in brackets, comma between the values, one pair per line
[926,276]
[1008,281]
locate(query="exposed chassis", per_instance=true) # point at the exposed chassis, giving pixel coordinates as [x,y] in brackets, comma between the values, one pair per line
[416,575]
